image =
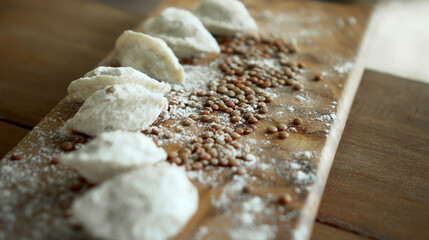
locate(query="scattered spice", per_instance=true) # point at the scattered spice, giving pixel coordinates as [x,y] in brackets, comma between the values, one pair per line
[16,157]
[271,129]
[285,198]
[283,135]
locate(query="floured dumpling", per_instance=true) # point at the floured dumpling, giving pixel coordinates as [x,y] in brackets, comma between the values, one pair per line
[150,55]
[128,107]
[182,31]
[225,17]
[113,153]
[151,203]
[101,77]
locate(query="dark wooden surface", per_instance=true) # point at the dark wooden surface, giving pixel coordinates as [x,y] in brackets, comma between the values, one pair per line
[45,45]
[376,187]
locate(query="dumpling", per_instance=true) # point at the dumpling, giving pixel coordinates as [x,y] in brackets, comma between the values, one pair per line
[113,153]
[150,55]
[149,203]
[225,17]
[182,31]
[101,77]
[128,107]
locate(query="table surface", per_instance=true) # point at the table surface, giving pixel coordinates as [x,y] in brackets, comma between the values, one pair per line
[377,187]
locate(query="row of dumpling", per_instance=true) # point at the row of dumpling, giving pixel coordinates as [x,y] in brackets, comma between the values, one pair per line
[175,32]
[134,199]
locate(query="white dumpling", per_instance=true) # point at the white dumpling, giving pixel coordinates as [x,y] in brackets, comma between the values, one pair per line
[150,203]
[128,107]
[150,55]
[225,17]
[182,31]
[101,77]
[113,153]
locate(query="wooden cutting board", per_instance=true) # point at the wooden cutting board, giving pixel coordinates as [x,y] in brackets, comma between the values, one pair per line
[328,38]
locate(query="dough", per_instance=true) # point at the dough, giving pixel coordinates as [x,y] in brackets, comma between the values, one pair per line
[182,31]
[101,77]
[225,17]
[149,203]
[112,153]
[150,55]
[128,107]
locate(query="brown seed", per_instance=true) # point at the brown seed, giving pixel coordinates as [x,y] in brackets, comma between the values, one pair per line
[224,162]
[283,135]
[230,104]
[200,94]
[67,146]
[236,145]
[205,112]
[297,121]
[193,104]
[272,129]
[214,106]
[263,110]
[206,135]
[216,119]
[168,135]
[206,118]
[253,120]
[239,130]
[298,86]
[222,89]
[197,140]
[214,161]
[269,99]
[318,77]
[301,65]
[55,161]
[289,81]
[247,189]
[205,156]
[281,127]
[234,162]
[241,171]
[247,115]
[16,157]
[177,160]
[285,198]
[172,102]
[193,116]
[235,135]
[197,166]
[188,122]
[235,119]
[185,153]
[248,130]
[172,154]
[235,113]
[259,116]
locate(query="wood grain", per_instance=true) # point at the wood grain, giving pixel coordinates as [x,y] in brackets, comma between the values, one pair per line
[338,42]
[378,184]
[49,43]
[10,135]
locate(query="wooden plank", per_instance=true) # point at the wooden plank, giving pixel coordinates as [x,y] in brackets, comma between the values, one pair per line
[323,231]
[46,44]
[10,136]
[332,46]
[378,183]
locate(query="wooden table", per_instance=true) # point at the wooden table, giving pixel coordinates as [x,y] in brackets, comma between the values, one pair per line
[377,187]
